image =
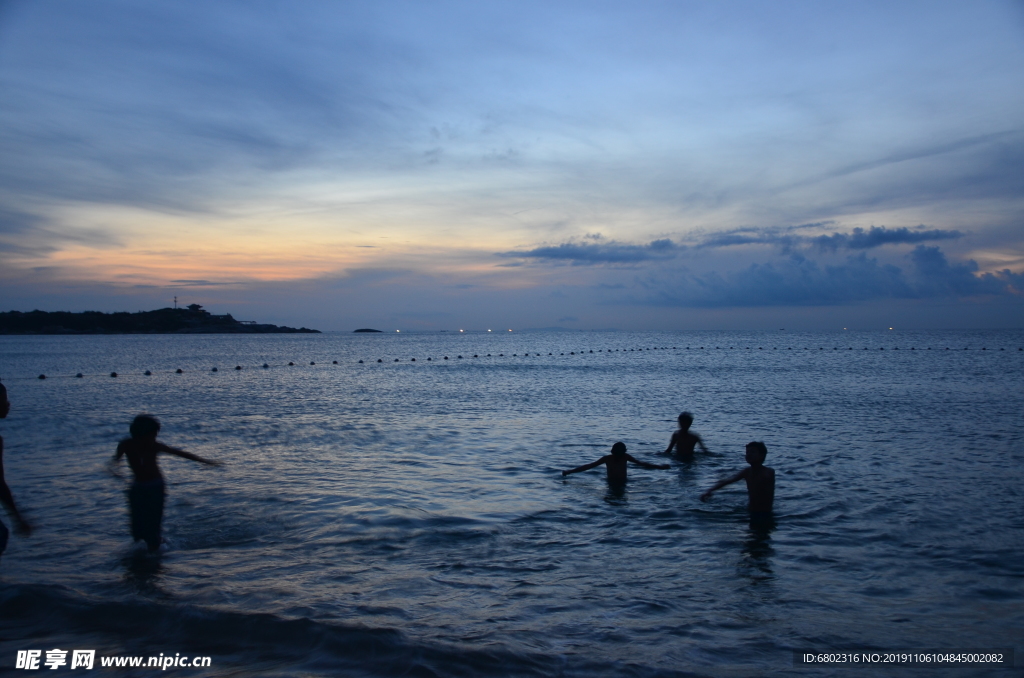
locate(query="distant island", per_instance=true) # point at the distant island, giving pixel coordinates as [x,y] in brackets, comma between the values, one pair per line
[190,320]
[365,329]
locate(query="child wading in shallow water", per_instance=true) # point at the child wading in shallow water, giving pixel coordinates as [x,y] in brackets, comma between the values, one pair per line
[685,440]
[760,481]
[146,495]
[6,498]
[616,464]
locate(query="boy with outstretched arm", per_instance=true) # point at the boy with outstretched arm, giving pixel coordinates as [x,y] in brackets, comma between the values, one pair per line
[146,495]
[760,481]
[6,498]
[685,440]
[616,464]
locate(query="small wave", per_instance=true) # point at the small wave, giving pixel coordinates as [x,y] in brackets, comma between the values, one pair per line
[36,616]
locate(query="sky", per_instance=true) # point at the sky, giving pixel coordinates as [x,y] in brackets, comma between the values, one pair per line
[466,165]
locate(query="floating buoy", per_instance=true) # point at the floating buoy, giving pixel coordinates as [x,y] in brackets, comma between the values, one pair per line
[42,376]
[475,355]
[429,359]
[291,364]
[591,351]
[148,373]
[265,366]
[446,357]
[113,374]
[501,355]
[214,369]
[238,367]
[78,376]
[360,362]
[572,353]
[396,360]
[312,363]
[178,371]
[515,355]
[380,360]
[336,362]
[414,360]
[460,357]
[488,355]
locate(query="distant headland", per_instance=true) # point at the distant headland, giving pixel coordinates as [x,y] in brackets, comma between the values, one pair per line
[364,329]
[190,320]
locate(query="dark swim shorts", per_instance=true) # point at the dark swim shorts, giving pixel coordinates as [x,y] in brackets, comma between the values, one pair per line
[146,503]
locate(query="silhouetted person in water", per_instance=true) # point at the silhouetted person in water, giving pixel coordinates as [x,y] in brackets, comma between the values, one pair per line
[146,495]
[685,440]
[616,464]
[760,481]
[20,526]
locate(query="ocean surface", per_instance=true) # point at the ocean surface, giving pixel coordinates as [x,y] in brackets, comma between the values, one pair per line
[409,518]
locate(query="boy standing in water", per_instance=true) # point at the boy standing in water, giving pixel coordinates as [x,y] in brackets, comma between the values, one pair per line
[616,464]
[20,526]
[684,440]
[760,481]
[146,495]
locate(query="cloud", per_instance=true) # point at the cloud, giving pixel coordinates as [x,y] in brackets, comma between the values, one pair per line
[199,283]
[799,281]
[878,236]
[601,253]
[789,238]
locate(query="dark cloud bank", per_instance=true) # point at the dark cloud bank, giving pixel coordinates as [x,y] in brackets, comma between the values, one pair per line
[799,281]
[795,279]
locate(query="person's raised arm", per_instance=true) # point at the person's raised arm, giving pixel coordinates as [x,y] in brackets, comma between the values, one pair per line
[722,483]
[630,457]
[186,455]
[586,467]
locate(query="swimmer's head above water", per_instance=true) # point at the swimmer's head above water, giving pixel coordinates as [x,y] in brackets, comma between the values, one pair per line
[619,449]
[144,426]
[685,420]
[756,453]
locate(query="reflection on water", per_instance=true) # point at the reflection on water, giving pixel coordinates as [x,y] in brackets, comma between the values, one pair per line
[757,548]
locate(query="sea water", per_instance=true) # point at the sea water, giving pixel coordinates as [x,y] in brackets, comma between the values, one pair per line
[388,516]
